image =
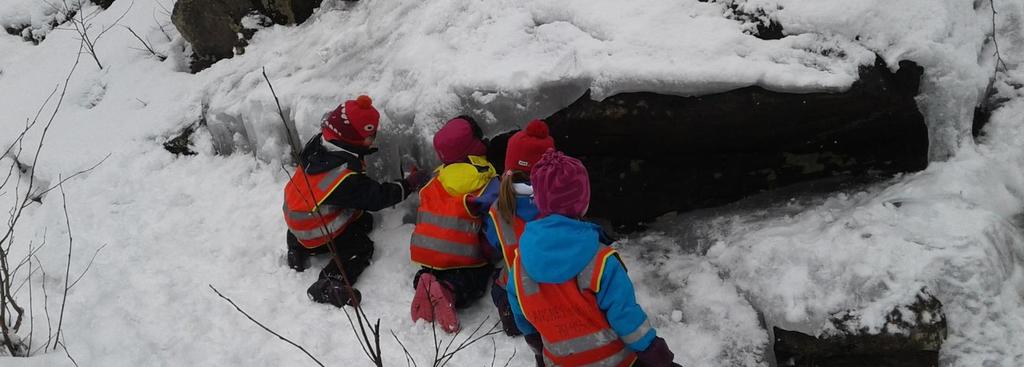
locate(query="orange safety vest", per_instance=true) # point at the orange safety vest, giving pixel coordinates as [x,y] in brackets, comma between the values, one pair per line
[312,223]
[574,330]
[508,237]
[447,235]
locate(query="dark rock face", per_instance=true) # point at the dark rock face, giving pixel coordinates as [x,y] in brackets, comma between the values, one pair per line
[288,11]
[181,144]
[911,337]
[650,154]
[105,4]
[213,26]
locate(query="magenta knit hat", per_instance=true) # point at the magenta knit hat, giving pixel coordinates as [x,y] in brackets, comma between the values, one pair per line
[458,139]
[560,185]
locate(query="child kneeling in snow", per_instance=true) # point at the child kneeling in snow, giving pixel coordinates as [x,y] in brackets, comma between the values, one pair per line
[325,200]
[507,217]
[570,294]
[446,242]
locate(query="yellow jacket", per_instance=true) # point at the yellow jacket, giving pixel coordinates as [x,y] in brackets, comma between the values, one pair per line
[466,178]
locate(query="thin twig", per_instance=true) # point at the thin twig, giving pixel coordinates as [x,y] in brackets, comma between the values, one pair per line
[409,360]
[145,44]
[67,353]
[509,361]
[264,327]
[31,306]
[39,196]
[87,267]
[46,308]
[67,271]
[995,38]
[288,132]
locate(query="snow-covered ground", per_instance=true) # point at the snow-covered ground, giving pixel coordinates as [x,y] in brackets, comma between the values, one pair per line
[169,226]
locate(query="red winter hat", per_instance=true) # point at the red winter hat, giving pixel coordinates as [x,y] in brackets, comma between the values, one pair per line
[527,146]
[459,138]
[560,185]
[353,122]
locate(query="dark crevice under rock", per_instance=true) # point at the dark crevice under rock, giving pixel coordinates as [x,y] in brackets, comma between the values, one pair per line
[766,28]
[650,154]
[105,4]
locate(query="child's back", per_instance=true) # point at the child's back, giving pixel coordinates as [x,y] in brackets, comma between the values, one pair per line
[446,242]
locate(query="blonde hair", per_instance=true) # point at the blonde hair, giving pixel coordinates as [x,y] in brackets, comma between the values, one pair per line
[507,193]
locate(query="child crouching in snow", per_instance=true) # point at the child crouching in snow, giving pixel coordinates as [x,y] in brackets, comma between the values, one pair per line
[507,217]
[446,242]
[325,200]
[570,294]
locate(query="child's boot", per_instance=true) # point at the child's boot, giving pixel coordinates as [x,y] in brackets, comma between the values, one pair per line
[333,291]
[435,302]
[298,256]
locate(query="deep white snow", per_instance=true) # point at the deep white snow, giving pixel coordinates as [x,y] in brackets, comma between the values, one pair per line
[169,226]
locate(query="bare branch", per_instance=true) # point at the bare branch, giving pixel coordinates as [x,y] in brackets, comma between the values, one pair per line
[145,44]
[67,271]
[65,347]
[264,327]
[87,267]
[409,360]
[39,196]
[293,144]
[995,38]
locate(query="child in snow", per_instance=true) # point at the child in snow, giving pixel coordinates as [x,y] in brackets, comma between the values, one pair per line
[325,200]
[446,242]
[570,294]
[507,217]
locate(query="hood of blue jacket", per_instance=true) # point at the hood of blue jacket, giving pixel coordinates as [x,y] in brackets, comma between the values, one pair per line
[555,248]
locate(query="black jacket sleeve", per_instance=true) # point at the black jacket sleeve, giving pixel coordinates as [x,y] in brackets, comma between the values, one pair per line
[361,192]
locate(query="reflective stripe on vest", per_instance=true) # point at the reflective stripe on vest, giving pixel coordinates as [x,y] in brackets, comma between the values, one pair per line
[447,235]
[312,223]
[508,238]
[574,329]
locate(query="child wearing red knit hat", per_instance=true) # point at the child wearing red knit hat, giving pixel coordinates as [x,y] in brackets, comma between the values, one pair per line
[508,215]
[327,197]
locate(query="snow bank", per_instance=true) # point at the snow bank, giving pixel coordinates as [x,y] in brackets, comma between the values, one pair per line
[424,62]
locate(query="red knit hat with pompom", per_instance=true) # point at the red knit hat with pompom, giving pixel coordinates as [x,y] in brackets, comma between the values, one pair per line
[353,122]
[527,146]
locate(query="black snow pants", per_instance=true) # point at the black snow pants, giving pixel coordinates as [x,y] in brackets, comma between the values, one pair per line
[354,248]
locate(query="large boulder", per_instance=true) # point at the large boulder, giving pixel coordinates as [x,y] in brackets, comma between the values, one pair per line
[650,154]
[214,27]
[910,337]
[211,26]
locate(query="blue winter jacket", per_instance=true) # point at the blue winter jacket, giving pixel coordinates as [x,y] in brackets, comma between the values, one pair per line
[555,249]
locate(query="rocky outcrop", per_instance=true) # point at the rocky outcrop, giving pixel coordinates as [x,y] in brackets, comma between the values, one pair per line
[105,4]
[213,27]
[650,154]
[911,337]
[288,11]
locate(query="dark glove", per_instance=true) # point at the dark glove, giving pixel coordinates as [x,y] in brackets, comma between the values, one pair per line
[416,179]
[537,344]
[657,354]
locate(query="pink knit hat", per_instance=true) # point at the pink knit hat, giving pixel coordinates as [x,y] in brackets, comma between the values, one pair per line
[459,138]
[560,185]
